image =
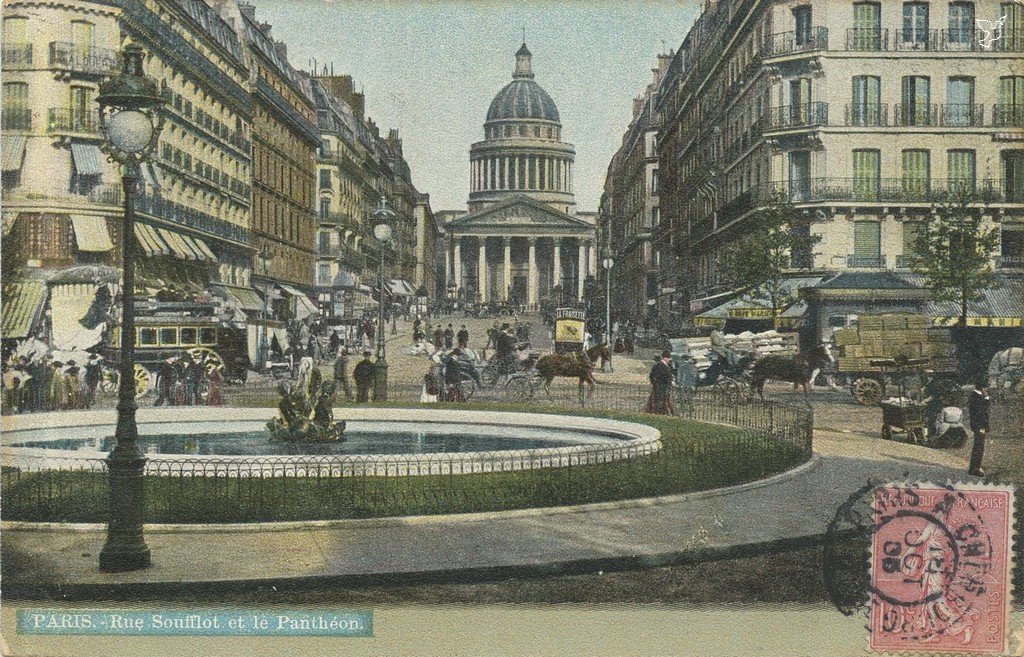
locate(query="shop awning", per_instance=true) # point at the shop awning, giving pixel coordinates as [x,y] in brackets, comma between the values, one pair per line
[1002,307]
[245,298]
[151,242]
[401,287]
[294,291]
[186,247]
[87,159]
[8,222]
[68,305]
[22,304]
[13,152]
[91,233]
[304,307]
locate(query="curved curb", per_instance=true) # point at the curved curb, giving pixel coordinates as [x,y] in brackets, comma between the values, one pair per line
[811,464]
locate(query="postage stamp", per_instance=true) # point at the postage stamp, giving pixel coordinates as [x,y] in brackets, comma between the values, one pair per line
[940,568]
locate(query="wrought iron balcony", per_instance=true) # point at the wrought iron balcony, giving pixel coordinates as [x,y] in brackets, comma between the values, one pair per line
[1008,116]
[1011,41]
[789,43]
[91,61]
[867,39]
[107,194]
[1010,262]
[962,115]
[918,114]
[865,261]
[64,120]
[923,40]
[158,206]
[881,190]
[16,56]
[805,115]
[16,118]
[338,220]
[867,115]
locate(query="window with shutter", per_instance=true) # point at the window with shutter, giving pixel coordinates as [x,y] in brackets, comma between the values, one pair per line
[867,244]
[866,174]
[961,170]
[916,174]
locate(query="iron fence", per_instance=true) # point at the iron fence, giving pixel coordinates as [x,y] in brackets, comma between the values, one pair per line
[759,438]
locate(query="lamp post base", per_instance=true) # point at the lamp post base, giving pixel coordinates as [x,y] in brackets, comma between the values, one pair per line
[380,380]
[124,558]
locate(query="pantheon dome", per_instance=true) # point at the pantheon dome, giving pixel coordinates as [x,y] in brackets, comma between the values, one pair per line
[522,152]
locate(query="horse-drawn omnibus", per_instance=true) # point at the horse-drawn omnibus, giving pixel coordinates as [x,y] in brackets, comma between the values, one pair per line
[193,327]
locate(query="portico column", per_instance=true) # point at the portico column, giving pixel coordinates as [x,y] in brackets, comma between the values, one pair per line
[556,264]
[506,277]
[482,270]
[515,179]
[531,276]
[592,257]
[458,262]
[581,268]
[447,268]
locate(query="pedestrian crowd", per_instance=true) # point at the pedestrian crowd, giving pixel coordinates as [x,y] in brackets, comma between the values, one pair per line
[42,383]
[184,379]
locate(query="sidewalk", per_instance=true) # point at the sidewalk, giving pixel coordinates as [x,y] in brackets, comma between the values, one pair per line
[790,509]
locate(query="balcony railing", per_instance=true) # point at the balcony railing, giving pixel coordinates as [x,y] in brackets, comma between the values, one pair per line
[1010,262]
[962,115]
[865,261]
[93,61]
[882,190]
[1008,116]
[921,40]
[789,43]
[177,213]
[338,219]
[1011,41]
[108,194]
[920,114]
[867,39]
[16,118]
[798,116]
[61,120]
[867,115]
[16,56]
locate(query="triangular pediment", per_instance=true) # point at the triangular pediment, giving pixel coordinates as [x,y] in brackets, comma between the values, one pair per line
[518,214]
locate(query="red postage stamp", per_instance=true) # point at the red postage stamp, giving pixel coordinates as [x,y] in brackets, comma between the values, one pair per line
[940,568]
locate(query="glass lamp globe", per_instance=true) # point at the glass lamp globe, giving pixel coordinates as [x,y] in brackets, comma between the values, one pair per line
[382,232]
[129,131]
[608,263]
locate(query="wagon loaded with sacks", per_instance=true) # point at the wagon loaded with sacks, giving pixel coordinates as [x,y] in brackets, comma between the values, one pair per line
[860,349]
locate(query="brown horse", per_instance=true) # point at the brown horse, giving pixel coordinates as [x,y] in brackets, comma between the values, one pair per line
[572,365]
[799,369]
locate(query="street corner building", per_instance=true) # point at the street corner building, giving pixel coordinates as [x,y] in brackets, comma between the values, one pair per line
[522,240]
[256,163]
[862,116]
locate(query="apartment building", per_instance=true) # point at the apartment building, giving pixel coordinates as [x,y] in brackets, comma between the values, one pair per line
[862,115]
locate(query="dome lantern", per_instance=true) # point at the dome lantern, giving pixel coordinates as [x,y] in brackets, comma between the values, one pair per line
[524,66]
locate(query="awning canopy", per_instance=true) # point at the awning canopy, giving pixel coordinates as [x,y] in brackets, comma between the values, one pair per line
[13,152]
[68,305]
[304,307]
[163,241]
[294,291]
[401,287]
[1002,307]
[150,241]
[245,298]
[22,305]
[91,233]
[8,222]
[86,158]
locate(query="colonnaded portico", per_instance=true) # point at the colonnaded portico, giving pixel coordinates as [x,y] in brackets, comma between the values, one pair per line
[520,251]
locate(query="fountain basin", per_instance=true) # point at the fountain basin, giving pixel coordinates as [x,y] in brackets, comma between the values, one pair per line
[201,441]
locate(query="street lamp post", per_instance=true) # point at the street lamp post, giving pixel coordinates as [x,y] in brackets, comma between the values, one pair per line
[382,231]
[608,264]
[129,104]
[265,256]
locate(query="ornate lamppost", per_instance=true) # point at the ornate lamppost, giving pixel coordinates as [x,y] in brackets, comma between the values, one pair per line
[130,121]
[382,231]
[608,264]
[265,256]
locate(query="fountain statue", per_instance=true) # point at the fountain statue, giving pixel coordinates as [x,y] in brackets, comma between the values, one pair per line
[306,415]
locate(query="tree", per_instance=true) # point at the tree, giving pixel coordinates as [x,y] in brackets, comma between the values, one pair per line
[778,242]
[955,249]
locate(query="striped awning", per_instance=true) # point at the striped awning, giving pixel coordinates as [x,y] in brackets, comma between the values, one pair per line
[294,291]
[247,298]
[8,222]
[22,303]
[149,175]
[91,233]
[150,241]
[87,159]
[184,247]
[13,152]
[1001,307]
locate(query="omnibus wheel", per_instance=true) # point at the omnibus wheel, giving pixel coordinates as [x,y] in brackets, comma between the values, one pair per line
[143,381]
[467,387]
[213,359]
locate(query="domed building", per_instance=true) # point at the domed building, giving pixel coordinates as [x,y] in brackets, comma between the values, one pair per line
[521,240]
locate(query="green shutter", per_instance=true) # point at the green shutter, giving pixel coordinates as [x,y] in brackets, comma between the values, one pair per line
[867,242]
[961,169]
[916,173]
[865,175]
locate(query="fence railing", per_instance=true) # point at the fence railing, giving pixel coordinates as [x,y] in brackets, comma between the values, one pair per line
[760,438]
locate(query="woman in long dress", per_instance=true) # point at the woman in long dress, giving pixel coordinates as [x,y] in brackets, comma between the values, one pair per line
[214,383]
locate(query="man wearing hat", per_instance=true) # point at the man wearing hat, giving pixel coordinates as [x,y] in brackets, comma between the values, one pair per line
[164,379]
[661,385]
[364,375]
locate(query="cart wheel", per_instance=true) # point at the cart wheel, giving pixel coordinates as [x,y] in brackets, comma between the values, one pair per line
[213,359]
[519,388]
[886,432]
[867,392]
[490,375]
[467,387]
[143,381]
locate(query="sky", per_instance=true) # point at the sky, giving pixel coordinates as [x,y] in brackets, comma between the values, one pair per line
[431,69]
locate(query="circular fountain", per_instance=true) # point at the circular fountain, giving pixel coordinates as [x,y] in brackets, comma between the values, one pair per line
[378,442]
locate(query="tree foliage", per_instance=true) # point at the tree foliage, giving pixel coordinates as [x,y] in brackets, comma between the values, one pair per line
[778,242]
[954,251]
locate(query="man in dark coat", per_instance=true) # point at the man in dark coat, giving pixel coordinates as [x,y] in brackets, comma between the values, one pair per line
[449,337]
[165,377]
[661,378]
[364,374]
[438,337]
[340,372]
[977,407]
[463,337]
